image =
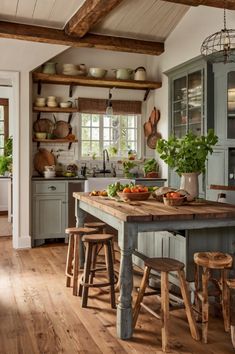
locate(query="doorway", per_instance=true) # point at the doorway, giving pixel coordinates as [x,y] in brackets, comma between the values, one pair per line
[9,126]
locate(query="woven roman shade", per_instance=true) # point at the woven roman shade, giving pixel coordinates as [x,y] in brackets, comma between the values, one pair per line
[93,105]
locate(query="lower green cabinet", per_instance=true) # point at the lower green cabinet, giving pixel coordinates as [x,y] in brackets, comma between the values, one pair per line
[49,216]
[53,208]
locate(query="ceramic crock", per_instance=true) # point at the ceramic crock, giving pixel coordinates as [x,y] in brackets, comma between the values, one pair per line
[49,68]
[123,74]
[140,73]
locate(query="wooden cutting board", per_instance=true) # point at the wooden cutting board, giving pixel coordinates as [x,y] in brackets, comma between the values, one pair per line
[43,158]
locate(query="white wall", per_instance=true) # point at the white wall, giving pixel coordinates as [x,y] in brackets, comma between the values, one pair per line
[22,57]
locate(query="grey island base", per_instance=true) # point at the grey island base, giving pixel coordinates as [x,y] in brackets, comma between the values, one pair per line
[212,225]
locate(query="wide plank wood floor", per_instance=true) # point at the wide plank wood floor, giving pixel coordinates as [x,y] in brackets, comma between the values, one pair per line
[38,314]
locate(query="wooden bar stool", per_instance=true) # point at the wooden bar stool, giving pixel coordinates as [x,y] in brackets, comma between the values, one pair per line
[92,241]
[72,263]
[101,227]
[209,261]
[231,285]
[164,266]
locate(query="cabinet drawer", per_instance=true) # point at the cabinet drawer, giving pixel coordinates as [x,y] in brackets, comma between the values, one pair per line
[51,187]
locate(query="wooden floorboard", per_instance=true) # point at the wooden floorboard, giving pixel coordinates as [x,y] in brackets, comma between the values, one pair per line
[38,314]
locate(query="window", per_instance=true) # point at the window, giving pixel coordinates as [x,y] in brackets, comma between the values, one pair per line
[117,134]
[3,124]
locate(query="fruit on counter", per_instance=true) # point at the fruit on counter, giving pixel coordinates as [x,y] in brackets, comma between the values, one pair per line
[135,189]
[173,195]
[96,193]
[69,174]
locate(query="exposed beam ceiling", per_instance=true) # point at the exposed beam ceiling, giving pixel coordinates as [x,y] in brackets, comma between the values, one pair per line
[229,4]
[90,13]
[54,36]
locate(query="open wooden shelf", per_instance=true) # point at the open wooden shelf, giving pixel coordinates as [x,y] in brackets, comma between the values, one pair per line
[59,79]
[55,109]
[55,141]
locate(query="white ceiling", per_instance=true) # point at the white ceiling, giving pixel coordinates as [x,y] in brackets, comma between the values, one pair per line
[141,19]
[48,13]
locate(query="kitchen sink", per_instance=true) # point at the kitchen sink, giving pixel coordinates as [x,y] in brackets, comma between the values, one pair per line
[99,183]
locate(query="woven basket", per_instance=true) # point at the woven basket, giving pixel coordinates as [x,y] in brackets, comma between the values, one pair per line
[173,201]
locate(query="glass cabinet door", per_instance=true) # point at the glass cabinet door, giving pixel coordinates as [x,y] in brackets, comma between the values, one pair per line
[188,104]
[231,105]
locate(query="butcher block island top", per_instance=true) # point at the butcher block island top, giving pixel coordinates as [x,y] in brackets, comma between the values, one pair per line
[151,210]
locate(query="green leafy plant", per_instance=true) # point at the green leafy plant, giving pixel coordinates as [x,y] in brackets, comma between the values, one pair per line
[6,159]
[127,166]
[150,165]
[188,154]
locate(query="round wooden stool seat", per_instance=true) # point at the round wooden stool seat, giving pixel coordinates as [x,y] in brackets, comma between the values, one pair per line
[96,224]
[97,238]
[80,230]
[164,264]
[213,260]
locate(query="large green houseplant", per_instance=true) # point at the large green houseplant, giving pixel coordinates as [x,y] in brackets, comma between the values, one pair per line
[187,155]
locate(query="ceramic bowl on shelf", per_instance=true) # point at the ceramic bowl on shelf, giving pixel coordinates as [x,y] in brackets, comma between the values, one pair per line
[66,104]
[98,72]
[40,135]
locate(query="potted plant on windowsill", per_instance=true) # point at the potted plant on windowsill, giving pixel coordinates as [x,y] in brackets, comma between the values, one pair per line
[151,168]
[188,157]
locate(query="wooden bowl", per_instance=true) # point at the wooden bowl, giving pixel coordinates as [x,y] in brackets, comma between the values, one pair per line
[173,201]
[134,196]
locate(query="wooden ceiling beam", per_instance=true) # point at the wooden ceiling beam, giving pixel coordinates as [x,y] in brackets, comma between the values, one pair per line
[55,36]
[90,13]
[229,4]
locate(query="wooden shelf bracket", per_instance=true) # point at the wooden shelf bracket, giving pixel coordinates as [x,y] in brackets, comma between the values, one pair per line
[39,87]
[71,90]
[146,94]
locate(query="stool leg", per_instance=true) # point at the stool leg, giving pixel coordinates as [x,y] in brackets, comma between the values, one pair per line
[93,262]
[69,267]
[165,311]
[205,304]
[76,264]
[225,299]
[140,296]
[188,307]
[197,288]
[87,268]
[110,270]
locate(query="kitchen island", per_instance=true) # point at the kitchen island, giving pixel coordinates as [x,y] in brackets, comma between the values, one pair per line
[131,218]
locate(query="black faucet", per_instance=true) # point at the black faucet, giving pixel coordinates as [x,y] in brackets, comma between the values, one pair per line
[105,152]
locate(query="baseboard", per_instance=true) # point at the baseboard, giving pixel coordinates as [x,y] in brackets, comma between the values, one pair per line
[22,242]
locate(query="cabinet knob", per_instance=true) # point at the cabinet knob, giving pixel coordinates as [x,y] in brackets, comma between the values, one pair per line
[52,188]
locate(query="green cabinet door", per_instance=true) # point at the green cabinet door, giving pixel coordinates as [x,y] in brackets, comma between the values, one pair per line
[49,216]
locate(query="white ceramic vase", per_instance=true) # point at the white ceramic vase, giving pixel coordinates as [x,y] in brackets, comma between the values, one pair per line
[189,182]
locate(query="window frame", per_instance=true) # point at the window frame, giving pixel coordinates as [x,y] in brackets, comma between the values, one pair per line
[5,103]
[101,130]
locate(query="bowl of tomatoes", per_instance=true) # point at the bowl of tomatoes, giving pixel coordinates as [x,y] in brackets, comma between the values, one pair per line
[136,192]
[173,199]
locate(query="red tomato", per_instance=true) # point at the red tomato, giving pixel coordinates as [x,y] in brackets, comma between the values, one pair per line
[127,190]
